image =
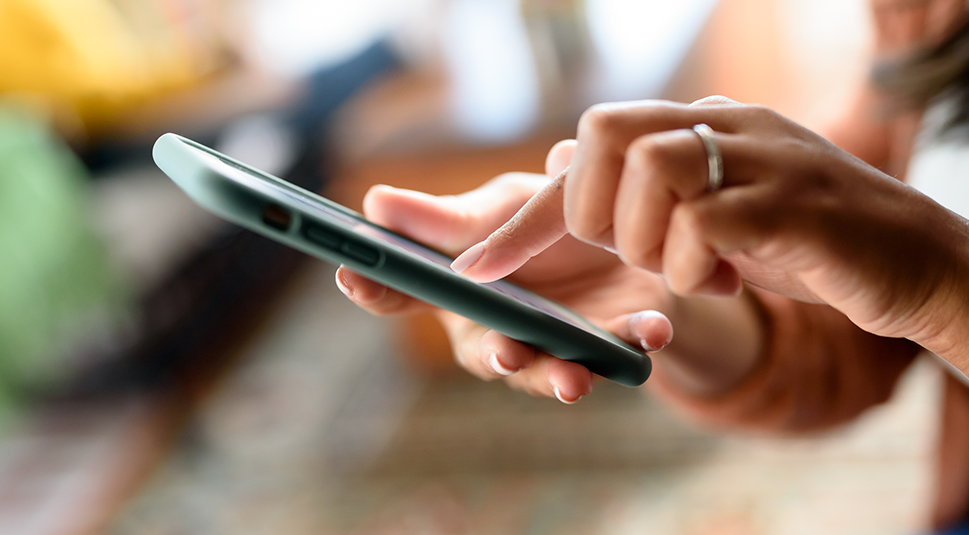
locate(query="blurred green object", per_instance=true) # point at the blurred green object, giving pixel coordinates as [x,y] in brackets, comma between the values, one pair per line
[53,270]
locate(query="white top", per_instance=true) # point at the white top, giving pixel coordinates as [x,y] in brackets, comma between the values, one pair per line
[940,162]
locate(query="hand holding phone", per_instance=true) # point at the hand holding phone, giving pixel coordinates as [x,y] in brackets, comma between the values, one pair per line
[587,279]
[319,227]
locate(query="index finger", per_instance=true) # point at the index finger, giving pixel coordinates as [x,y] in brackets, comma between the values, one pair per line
[534,228]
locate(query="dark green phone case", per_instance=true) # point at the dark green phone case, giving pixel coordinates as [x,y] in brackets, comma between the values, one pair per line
[276,209]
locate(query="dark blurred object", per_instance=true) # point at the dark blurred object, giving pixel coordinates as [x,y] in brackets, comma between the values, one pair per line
[91,436]
[934,70]
[185,325]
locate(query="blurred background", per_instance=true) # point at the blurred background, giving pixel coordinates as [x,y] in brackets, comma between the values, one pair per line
[162,372]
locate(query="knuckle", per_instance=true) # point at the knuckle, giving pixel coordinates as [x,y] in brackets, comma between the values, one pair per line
[762,114]
[665,157]
[688,218]
[588,229]
[598,119]
[678,283]
[691,214]
[504,233]
[651,150]
[640,256]
[714,100]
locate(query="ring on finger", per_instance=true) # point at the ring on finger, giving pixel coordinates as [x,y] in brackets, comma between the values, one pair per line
[714,159]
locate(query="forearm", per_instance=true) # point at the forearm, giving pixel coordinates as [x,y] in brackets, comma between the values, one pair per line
[815,370]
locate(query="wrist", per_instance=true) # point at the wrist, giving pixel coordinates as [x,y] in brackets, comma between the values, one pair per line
[946,329]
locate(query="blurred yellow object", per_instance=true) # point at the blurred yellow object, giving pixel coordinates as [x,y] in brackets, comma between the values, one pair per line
[101,56]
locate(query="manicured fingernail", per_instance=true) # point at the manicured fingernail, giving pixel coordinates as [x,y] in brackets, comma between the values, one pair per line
[558,394]
[468,258]
[497,367]
[342,284]
[648,315]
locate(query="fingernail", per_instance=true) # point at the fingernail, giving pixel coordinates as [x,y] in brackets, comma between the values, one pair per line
[497,367]
[558,394]
[342,284]
[611,250]
[646,315]
[468,258]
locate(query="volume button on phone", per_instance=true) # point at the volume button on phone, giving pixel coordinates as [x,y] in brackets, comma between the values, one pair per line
[322,237]
[360,252]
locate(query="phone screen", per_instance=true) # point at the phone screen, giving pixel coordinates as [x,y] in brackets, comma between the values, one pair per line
[326,210]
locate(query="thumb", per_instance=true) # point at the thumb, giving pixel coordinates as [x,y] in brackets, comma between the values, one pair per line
[432,220]
[559,157]
[450,223]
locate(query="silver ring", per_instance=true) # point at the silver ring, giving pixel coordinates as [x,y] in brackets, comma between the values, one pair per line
[714,160]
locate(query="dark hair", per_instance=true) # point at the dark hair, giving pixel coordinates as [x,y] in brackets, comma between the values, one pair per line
[942,69]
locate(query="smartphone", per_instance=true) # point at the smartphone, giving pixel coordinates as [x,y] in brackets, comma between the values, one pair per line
[322,228]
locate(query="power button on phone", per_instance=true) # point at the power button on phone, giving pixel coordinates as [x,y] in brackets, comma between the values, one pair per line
[360,252]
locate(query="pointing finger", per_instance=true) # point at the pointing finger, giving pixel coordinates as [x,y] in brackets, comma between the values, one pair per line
[538,225]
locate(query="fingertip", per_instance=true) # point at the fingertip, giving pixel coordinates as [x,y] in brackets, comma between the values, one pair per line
[374,198]
[559,156]
[483,263]
[569,381]
[503,355]
[359,288]
[345,287]
[652,328]
[483,275]
[468,258]
[495,363]
[689,264]
[561,397]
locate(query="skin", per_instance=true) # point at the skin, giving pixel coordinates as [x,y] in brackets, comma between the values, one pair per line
[797,216]
[636,186]
[710,353]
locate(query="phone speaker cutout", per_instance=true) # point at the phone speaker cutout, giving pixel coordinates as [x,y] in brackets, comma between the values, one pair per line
[277,218]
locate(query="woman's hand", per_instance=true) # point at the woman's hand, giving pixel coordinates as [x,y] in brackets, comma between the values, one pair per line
[796,215]
[591,281]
